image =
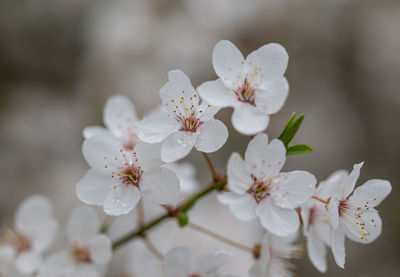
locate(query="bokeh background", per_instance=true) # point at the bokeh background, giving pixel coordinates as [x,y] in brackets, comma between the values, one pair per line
[60,60]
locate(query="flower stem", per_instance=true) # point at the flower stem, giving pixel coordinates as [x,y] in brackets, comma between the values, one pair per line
[214,174]
[220,237]
[320,199]
[153,249]
[186,206]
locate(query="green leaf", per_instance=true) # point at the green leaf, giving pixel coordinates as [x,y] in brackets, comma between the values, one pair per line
[183,219]
[291,129]
[299,149]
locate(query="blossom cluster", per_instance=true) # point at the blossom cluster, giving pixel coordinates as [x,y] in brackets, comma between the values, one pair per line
[134,161]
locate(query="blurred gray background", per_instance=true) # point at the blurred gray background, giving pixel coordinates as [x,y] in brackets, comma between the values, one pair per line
[60,60]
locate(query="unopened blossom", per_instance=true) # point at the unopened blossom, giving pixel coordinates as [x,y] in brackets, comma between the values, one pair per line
[255,87]
[118,178]
[355,217]
[315,220]
[86,252]
[33,233]
[259,189]
[119,115]
[179,262]
[183,123]
[275,255]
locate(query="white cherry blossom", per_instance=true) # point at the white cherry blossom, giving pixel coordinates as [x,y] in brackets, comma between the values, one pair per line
[275,255]
[119,115]
[179,262]
[34,232]
[355,217]
[118,178]
[255,87]
[87,250]
[315,220]
[183,123]
[259,189]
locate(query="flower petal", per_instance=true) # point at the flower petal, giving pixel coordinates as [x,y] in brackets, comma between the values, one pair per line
[100,249]
[177,146]
[249,120]
[372,192]
[245,210]
[227,62]
[83,224]
[121,200]
[160,186]
[103,152]
[206,111]
[317,251]
[271,61]
[333,212]
[337,245]
[212,135]
[350,181]
[178,82]
[210,262]
[93,188]
[119,116]
[156,127]
[217,94]
[278,221]
[148,155]
[231,198]
[362,227]
[330,186]
[178,262]
[263,159]
[292,189]
[28,262]
[272,96]
[239,179]
[91,131]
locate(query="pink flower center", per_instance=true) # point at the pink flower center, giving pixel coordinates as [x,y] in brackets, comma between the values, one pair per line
[343,206]
[81,255]
[190,124]
[259,190]
[21,243]
[131,175]
[312,215]
[246,93]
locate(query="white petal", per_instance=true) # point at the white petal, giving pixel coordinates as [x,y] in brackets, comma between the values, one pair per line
[91,131]
[263,159]
[178,262]
[362,227]
[177,146]
[212,135]
[155,127]
[55,264]
[83,224]
[28,262]
[246,209]
[330,186]
[100,249]
[333,212]
[93,188]
[160,186]
[278,221]
[230,198]
[317,251]
[217,94]
[271,61]
[32,212]
[272,96]
[103,152]
[249,120]
[121,200]
[186,174]
[239,179]
[292,189]
[206,111]
[84,270]
[148,155]
[178,82]
[119,116]
[372,192]
[350,181]
[337,244]
[228,62]
[7,252]
[210,262]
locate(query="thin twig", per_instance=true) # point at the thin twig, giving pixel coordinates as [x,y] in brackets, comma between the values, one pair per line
[153,248]
[320,199]
[214,174]
[220,237]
